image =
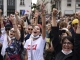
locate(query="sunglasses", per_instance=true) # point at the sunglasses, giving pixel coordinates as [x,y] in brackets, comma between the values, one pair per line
[30,29]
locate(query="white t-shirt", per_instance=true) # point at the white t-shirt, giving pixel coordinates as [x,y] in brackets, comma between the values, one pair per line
[35,48]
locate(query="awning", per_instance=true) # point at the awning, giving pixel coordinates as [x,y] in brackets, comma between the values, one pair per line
[68,12]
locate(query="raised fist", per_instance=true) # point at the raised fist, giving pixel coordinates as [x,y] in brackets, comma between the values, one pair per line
[77,15]
[55,11]
[11,17]
[16,13]
[36,14]
[42,7]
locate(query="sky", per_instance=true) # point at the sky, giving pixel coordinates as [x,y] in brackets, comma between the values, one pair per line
[34,1]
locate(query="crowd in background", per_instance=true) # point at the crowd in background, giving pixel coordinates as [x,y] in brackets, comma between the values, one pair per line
[41,37]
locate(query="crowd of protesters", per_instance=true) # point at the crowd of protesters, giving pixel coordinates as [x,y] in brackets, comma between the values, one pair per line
[45,37]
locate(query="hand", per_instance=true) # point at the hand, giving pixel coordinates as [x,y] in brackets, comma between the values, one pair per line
[16,13]
[42,8]
[77,15]
[55,11]
[0,11]
[36,14]
[12,18]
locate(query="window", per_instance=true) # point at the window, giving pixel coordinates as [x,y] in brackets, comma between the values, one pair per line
[1,2]
[22,2]
[10,2]
[21,12]
[78,5]
[77,0]
[69,3]
[68,0]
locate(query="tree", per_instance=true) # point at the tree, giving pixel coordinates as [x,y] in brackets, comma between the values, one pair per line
[33,6]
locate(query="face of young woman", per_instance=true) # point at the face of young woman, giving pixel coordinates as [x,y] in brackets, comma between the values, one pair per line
[67,45]
[36,31]
[49,26]
[12,33]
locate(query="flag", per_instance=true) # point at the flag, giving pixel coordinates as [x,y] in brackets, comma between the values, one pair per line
[23,12]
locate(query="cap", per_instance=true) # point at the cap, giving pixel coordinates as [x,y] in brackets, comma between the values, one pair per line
[75,21]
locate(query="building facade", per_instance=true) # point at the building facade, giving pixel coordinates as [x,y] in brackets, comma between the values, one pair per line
[9,6]
[47,5]
[68,7]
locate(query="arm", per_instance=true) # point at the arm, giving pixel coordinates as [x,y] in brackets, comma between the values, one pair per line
[36,21]
[28,21]
[16,16]
[43,22]
[6,56]
[0,12]
[1,19]
[2,25]
[77,40]
[17,32]
[55,33]
[51,49]
[26,55]
[22,32]
[36,18]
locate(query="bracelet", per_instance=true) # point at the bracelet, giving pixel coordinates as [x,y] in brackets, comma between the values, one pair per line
[43,14]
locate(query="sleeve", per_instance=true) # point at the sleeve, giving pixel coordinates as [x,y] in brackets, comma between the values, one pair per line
[77,47]
[3,30]
[28,21]
[22,34]
[55,39]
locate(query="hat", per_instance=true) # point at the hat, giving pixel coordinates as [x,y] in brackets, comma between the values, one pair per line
[40,26]
[75,21]
[8,26]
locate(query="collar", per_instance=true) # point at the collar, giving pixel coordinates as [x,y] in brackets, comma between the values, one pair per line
[66,53]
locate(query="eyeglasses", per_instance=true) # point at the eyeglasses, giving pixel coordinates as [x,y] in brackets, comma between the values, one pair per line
[67,43]
[30,29]
[12,31]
